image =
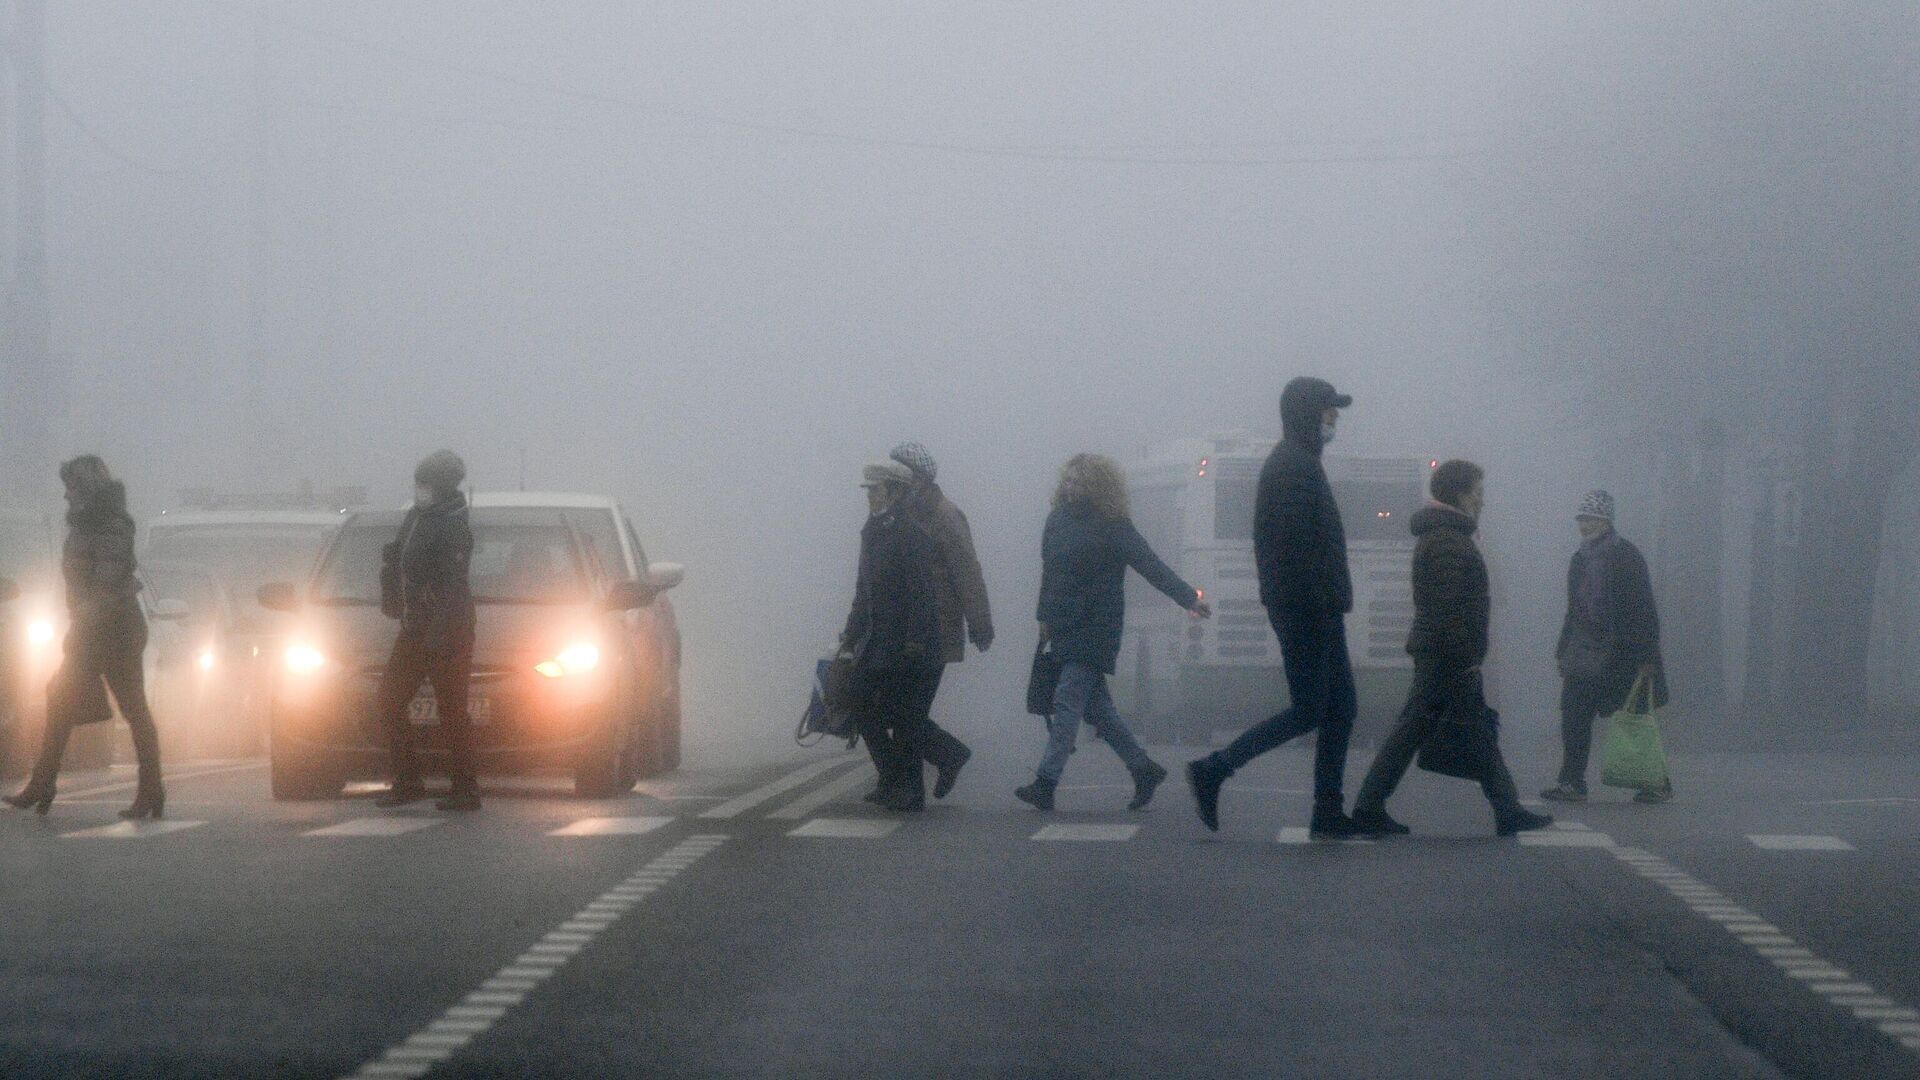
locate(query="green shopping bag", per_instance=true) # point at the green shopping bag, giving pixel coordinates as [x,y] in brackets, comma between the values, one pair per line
[1634,756]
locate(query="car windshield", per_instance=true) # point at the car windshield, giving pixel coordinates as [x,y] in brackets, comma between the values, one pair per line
[244,556]
[519,557]
[192,587]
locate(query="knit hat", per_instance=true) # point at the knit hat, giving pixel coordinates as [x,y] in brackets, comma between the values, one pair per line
[1597,504]
[442,471]
[889,473]
[915,456]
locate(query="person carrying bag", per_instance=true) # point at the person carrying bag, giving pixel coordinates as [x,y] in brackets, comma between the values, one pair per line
[1634,757]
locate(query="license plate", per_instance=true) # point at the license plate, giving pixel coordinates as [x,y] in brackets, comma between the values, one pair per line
[425,709]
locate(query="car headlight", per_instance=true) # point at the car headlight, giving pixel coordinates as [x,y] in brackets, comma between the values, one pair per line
[305,659]
[40,631]
[573,660]
[206,659]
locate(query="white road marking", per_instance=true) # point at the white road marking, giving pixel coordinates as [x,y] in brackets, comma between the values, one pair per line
[375,826]
[821,796]
[612,826]
[479,1011]
[735,807]
[1835,983]
[175,777]
[1800,843]
[846,828]
[1553,838]
[1087,831]
[131,830]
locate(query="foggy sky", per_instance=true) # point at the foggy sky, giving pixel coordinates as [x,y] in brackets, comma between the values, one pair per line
[701,257]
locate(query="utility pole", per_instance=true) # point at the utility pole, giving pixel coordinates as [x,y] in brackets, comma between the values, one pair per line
[29,328]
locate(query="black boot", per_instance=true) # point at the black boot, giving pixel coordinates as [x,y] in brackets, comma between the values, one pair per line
[1330,822]
[905,798]
[947,769]
[1038,794]
[1377,822]
[1205,776]
[36,795]
[463,799]
[149,800]
[1519,819]
[1145,782]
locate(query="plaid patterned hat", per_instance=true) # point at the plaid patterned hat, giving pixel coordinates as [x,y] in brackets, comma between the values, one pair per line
[1597,504]
[915,457]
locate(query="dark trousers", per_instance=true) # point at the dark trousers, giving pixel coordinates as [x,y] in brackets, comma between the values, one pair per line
[101,657]
[1436,690]
[892,718]
[1581,703]
[449,670]
[1320,680]
[940,746]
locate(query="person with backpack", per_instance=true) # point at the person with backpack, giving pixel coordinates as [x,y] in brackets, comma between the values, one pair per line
[1087,547]
[1451,614]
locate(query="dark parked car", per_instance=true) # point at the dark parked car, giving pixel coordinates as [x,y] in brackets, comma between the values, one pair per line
[576,656]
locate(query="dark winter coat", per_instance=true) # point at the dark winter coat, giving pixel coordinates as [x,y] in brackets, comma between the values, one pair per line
[1451,600]
[97,560]
[1631,628]
[1084,557]
[1298,540]
[424,575]
[959,586]
[895,620]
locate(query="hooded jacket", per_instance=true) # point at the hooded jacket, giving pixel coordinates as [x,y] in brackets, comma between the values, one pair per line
[895,619]
[97,560]
[424,575]
[1298,540]
[1084,557]
[960,588]
[1451,601]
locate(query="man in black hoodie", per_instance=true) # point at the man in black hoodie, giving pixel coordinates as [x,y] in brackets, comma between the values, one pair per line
[1451,608]
[424,584]
[1301,548]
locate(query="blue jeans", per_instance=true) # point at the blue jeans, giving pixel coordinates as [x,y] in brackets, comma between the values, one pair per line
[1082,696]
[1320,680]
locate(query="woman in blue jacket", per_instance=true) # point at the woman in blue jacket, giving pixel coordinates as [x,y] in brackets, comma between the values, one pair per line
[1089,543]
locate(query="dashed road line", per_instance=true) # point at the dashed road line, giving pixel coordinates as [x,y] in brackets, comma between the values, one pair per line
[480,1010]
[1840,987]
[847,828]
[821,796]
[375,826]
[766,793]
[131,830]
[1565,838]
[1087,831]
[612,826]
[1799,843]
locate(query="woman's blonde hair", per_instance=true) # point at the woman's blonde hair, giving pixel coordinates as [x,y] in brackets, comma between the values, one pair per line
[1095,479]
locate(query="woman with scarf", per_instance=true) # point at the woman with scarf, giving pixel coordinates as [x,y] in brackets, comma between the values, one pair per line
[1609,642]
[106,638]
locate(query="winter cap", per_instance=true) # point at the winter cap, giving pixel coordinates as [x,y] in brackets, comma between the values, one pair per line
[889,473]
[915,456]
[1597,504]
[441,470]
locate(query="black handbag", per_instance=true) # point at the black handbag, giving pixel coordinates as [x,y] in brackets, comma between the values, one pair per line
[1043,680]
[829,712]
[1462,742]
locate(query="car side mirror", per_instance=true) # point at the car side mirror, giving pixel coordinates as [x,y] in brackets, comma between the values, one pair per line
[9,590]
[666,575]
[627,595]
[278,596]
[170,610]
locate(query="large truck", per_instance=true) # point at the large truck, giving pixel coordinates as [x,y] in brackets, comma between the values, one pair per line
[1193,499]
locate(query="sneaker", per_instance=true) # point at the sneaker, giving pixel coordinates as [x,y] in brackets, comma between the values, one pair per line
[1205,777]
[1656,795]
[1378,823]
[904,800]
[1038,794]
[948,771]
[401,794]
[1565,792]
[1519,821]
[1332,824]
[1145,783]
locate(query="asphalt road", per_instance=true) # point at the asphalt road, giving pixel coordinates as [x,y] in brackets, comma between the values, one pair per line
[755,920]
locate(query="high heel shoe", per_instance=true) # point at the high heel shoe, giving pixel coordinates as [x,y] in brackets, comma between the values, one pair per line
[148,802]
[40,800]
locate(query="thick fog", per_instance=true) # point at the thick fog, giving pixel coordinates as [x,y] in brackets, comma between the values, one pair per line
[712,258]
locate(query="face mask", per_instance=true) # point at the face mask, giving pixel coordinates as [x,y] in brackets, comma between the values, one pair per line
[1326,433]
[423,496]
